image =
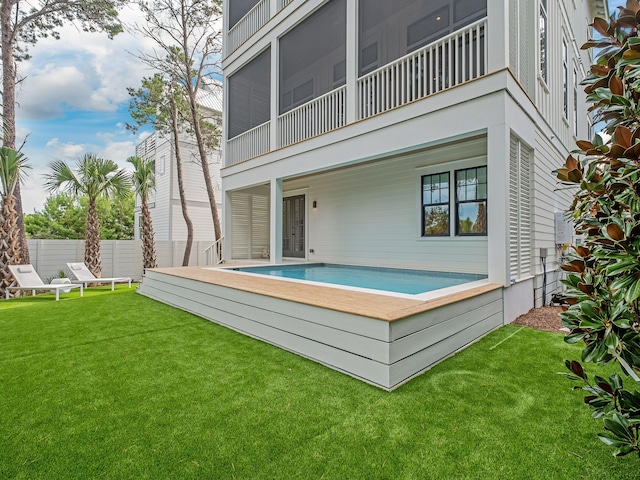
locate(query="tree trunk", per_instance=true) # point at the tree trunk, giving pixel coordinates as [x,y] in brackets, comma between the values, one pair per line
[9,244]
[148,244]
[204,162]
[183,198]
[92,256]
[9,108]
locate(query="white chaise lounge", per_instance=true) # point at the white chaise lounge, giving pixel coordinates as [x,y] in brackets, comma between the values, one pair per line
[83,275]
[28,279]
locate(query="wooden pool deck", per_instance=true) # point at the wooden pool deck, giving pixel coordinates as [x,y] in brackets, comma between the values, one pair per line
[382,339]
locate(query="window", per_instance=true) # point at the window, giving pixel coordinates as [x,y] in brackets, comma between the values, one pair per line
[435,204]
[575,101]
[471,201]
[565,79]
[160,165]
[317,45]
[250,95]
[542,32]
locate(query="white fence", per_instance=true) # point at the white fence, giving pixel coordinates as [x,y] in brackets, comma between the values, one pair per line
[120,258]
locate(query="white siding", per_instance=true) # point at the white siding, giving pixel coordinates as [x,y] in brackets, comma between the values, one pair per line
[371,214]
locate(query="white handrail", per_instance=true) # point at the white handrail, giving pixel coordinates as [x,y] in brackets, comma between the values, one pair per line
[249,144]
[283,3]
[248,25]
[459,57]
[313,118]
[213,253]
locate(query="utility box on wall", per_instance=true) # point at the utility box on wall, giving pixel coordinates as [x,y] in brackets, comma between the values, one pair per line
[563,229]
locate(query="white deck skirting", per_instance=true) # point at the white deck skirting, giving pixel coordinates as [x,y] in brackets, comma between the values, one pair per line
[382,340]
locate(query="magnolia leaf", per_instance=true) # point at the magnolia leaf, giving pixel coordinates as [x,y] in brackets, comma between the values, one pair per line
[601,26]
[615,232]
[600,70]
[584,145]
[631,55]
[577,369]
[616,86]
[622,136]
[633,293]
[572,162]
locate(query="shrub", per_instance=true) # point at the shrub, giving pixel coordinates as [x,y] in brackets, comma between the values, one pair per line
[603,274]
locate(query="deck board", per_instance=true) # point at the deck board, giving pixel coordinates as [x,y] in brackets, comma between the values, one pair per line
[381,307]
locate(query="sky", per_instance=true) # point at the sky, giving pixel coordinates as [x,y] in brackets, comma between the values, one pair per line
[73,100]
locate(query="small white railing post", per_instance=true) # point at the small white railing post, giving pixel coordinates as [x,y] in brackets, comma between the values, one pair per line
[213,253]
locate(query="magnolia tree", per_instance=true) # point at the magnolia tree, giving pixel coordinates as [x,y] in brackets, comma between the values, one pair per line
[603,274]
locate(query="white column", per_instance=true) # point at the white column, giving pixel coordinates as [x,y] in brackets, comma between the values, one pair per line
[352,62]
[497,34]
[227,225]
[275,245]
[498,137]
[273,144]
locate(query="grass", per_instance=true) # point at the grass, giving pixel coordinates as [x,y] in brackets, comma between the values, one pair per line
[115,385]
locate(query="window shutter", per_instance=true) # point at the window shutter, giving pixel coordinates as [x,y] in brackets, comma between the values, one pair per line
[520,213]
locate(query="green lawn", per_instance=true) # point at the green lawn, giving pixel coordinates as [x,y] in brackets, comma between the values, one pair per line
[115,385]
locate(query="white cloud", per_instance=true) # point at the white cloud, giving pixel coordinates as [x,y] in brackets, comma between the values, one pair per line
[32,191]
[67,150]
[86,71]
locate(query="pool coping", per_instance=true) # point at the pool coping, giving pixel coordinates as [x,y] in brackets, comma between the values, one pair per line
[382,307]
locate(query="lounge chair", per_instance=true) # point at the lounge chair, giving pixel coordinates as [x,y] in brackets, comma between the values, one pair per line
[28,279]
[83,275]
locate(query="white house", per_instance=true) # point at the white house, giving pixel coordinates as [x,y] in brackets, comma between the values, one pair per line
[413,134]
[164,202]
[352,122]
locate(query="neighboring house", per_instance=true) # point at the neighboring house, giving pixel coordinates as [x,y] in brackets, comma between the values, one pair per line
[164,202]
[416,134]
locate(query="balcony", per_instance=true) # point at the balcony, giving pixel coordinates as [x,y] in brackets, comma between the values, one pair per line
[454,59]
[253,21]
[436,67]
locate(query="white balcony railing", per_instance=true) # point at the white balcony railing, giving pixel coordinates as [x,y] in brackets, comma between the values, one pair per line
[454,59]
[283,3]
[249,144]
[316,117]
[248,25]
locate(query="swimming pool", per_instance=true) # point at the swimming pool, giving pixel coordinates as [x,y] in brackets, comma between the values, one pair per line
[396,280]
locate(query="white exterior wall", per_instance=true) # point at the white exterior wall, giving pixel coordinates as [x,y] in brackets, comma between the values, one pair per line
[371,214]
[369,165]
[166,212]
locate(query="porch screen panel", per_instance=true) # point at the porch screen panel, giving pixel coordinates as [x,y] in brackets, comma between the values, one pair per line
[313,56]
[238,9]
[250,95]
[388,30]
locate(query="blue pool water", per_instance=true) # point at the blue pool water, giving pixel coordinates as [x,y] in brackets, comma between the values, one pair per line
[396,280]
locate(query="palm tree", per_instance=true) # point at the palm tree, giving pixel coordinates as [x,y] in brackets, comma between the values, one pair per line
[144,181]
[94,178]
[12,164]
